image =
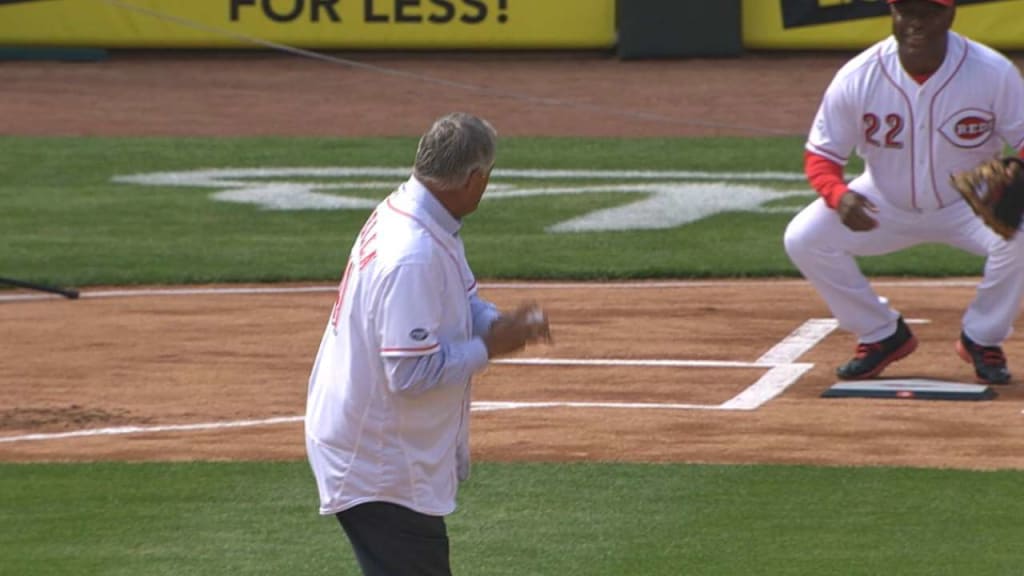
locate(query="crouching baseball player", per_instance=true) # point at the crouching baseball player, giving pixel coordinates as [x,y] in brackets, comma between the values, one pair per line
[918,107]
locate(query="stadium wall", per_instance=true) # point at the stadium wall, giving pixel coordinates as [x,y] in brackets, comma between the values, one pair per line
[637,28]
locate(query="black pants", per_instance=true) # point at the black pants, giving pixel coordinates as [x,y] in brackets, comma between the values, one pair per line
[392,540]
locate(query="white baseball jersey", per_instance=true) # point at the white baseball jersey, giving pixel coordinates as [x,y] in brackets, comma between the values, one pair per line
[406,306]
[913,136]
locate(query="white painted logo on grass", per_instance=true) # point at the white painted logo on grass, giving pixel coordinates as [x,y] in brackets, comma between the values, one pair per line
[668,198]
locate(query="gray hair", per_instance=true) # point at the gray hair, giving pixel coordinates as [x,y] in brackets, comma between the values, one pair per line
[453,147]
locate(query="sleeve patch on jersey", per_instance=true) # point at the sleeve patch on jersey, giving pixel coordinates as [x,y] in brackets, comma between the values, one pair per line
[419,334]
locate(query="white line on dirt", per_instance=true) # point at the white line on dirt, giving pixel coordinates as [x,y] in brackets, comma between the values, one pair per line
[119,430]
[477,407]
[768,386]
[799,341]
[493,406]
[222,291]
[124,293]
[625,362]
[782,373]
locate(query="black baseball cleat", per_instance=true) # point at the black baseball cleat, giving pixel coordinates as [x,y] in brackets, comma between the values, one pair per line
[873,357]
[989,361]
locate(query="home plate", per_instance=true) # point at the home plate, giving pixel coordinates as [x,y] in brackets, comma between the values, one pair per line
[912,388]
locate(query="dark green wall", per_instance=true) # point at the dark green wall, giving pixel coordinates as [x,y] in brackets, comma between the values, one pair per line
[678,28]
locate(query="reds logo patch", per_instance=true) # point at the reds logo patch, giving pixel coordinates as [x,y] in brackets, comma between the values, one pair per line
[969,128]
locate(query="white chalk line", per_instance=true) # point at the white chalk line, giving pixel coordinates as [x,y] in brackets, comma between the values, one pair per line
[120,430]
[782,373]
[799,341]
[206,426]
[131,293]
[632,362]
[495,406]
[785,373]
[257,290]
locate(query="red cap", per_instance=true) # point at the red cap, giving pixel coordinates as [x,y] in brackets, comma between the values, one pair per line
[943,2]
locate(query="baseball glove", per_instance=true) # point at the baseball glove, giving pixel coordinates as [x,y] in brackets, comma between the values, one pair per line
[995,191]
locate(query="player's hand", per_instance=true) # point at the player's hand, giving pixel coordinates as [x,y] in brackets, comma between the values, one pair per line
[512,332]
[855,211]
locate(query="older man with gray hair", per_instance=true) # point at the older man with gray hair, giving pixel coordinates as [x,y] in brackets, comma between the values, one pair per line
[387,416]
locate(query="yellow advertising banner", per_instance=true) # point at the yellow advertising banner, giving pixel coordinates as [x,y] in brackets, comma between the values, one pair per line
[328,24]
[856,24]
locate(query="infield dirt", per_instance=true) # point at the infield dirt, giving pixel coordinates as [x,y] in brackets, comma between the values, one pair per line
[170,360]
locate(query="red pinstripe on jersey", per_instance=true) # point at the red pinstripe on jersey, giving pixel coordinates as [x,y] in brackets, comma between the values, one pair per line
[931,119]
[336,312]
[435,238]
[421,349]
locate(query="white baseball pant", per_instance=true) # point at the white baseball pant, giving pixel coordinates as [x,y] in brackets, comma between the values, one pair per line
[824,250]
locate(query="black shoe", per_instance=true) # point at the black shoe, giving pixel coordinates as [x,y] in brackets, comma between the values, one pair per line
[873,357]
[989,361]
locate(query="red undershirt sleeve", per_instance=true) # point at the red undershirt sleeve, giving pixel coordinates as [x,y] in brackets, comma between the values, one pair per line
[826,177]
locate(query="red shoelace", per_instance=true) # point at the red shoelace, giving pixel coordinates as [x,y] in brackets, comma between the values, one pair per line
[991,355]
[864,349]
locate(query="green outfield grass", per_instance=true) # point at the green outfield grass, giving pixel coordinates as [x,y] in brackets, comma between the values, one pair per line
[63,220]
[518,520]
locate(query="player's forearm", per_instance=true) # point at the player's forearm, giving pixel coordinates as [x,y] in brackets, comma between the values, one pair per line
[826,177]
[484,314]
[453,365]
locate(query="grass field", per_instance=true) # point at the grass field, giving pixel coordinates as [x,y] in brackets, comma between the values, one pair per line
[65,220]
[526,519]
